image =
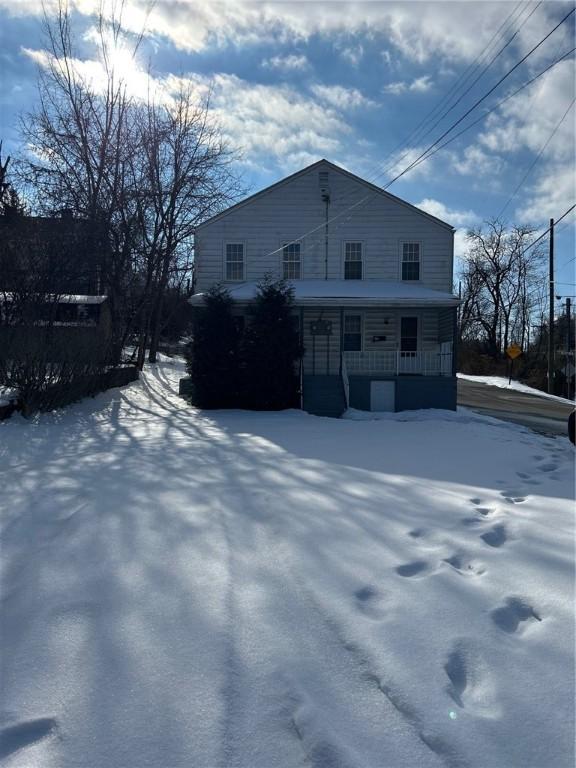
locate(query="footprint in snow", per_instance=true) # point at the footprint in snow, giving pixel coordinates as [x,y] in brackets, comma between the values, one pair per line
[465,567]
[513,496]
[417,568]
[369,601]
[509,617]
[476,501]
[417,533]
[495,537]
[471,521]
[549,466]
[16,737]
[471,684]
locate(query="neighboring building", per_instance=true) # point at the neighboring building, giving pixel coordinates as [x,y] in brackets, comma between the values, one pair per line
[51,306]
[51,254]
[372,278]
[55,328]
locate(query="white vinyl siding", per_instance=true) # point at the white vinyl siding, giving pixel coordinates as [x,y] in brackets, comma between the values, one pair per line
[353,261]
[291,262]
[234,267]
[289,210]
[411,261]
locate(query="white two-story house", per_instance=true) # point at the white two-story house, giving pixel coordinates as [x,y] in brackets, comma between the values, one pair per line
[372,279]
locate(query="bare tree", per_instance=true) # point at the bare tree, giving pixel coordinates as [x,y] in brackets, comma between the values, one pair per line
[10,202]
[499,278]
[80,141]
[143,171]
[186,176]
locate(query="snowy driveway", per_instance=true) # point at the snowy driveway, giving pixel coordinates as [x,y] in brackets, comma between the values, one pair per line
[226,590]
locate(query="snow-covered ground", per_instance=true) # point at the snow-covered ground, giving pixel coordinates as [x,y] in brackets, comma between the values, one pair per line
[502,382]
[216,590]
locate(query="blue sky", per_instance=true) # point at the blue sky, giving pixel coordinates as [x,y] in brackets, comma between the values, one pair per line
[294,82]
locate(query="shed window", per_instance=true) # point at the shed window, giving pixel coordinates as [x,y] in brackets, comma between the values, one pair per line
[410,261]
[291,261]
[234,261]
[353,261]
[352,336]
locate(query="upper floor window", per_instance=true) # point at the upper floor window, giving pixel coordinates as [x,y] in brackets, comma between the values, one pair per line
[353,261]
[292,266]
[352,333]
[234,261]
[410,261]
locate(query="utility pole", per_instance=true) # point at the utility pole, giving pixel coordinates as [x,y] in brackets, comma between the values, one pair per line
[568,345]
[551,321]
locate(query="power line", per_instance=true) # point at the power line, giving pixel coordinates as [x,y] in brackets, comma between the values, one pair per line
[469,72]
[496,106]
[504,27]
[482,98]
[467,91]
[536,159]
[426,154]
[364,199]
[475,122]
[414,135]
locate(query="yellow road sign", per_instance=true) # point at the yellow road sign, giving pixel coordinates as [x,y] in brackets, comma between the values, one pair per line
[513,351]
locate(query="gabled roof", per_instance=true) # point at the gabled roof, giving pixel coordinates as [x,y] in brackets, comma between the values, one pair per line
[331,166]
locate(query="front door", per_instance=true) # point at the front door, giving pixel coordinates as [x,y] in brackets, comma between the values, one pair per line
[409,357]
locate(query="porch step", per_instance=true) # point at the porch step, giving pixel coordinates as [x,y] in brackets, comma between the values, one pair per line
[324,395]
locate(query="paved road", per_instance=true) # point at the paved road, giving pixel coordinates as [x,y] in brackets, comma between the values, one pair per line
[546,416]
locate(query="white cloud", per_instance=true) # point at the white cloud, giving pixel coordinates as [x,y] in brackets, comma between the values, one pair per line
[272,125]
[553,193]
[461,220]
[352,54]
[276,125]
[342,98]
[448,30]
[476,162]
[450,216]
[386,57]
[521,128]
[404,158]
[419,85]
[395,88]
[139,84]
[291,62]
[527,121]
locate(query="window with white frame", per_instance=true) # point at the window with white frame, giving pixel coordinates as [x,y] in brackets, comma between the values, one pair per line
[353,261]
[410,261]
[234,261]
[352,333]
[291,262]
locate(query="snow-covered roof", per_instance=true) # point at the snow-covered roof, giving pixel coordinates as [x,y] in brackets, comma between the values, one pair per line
[67,298]
[348,292]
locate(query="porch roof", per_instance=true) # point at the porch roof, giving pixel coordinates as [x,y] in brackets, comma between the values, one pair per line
[338,293]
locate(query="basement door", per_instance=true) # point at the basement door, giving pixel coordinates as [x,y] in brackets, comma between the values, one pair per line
[383,396]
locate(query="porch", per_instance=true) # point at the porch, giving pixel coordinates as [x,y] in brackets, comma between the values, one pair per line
[396,363]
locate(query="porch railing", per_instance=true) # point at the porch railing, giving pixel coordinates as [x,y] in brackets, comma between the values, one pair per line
[397,363]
